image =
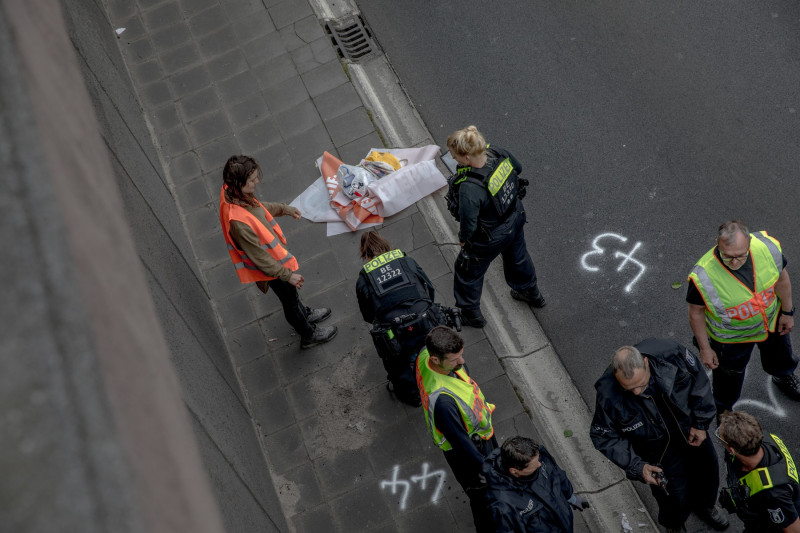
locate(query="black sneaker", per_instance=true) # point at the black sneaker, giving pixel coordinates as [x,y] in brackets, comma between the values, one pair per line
[714,517]
[318,315]
[473,319]
[321,335]
[788,385]
[527,296]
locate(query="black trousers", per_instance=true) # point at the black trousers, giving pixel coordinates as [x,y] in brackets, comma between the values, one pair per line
[473,483]
[293,309]
[401,370]
[692,475]
[471,265]
[777,359]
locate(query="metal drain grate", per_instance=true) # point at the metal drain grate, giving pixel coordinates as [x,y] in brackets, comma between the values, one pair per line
[352,38]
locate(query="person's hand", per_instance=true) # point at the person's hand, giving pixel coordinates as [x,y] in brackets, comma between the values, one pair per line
[297,214]
[785,324]
[647,474]
[461,244]
[696,436]
[709,358]
[297,280]
[579,503]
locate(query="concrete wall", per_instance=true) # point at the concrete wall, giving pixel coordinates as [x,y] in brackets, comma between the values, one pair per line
[119,402]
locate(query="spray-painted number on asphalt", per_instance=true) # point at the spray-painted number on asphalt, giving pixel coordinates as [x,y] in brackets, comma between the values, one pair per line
[395,484]
[626,258]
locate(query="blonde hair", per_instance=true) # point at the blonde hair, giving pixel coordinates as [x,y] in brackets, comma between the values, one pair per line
[467,141]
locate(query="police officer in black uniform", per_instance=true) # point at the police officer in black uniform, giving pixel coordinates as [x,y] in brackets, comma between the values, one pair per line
[763,487]
[485,199]
[653,409]
[396,297]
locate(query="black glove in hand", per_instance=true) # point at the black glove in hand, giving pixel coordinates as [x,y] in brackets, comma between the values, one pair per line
[579,503]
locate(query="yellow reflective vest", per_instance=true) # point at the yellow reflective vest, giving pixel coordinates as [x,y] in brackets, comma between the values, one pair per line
[475,412]
[735,313]
[767,477]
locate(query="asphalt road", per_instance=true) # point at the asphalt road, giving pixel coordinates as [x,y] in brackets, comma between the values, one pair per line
[648,122]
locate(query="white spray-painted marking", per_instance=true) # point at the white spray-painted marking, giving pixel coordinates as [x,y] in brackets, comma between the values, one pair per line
[421,479]
[627,258]
[773,407]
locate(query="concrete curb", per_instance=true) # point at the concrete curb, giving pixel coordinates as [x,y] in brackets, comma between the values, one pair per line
[541,381]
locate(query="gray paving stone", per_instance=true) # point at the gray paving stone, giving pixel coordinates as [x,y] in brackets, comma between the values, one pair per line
[247,111]
[193,195]
[500,392]
[431,260]
[361,509]
[234,308]
[207,21]
[276,70]
[147,72]
[190,81]
[214,154]
[359,148]
[238,88]
[271,411]
[482,361]
[276,158]
[301,400]
[302,487]
[306,148]
[246,343]
[286,94]
[349,127]
[295,364]
[149,4]
[324,78]
[342,472]
[134,28]
[155,94]
[253,25]
[208,127]
[337,101]
[401,233]
[174,142]
[309,29]
[263,48]
[184,168]
[193,7]
[120,9]
[227,65]
[347,245]
[298,119]
[162,16]
[217,43]
[291,41]
[222,281]
[394,444]
[138,51]
[321,272]
[430,517]
[286,450]
[205,221]
[259,136]
[179,58]
[313,521]
[238,9]
[313,55]
[171,36]
[210,250]
[286,13]
[259,376]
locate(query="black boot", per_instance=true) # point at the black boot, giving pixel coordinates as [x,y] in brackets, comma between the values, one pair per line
[321,335]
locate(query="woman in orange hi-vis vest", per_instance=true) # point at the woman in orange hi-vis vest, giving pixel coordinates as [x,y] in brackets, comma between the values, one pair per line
[257,248]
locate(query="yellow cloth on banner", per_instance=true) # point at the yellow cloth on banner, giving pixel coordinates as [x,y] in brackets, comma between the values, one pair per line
[384,157]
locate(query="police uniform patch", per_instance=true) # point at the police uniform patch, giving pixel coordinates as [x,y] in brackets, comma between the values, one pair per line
[690,358]
[776,515]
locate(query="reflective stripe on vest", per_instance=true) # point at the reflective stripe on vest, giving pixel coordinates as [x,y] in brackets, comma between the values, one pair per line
[476,413]
[768,476]
[271,241]
[734,313]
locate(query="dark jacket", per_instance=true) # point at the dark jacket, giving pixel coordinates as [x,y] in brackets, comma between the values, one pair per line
[478,217]
[415,298]
[534,505]
[629,429]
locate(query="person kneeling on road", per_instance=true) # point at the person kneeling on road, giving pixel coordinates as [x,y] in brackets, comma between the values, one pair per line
[257,248]
[526,491]
[486,198]
[763,487]
[653,408]
[396,297]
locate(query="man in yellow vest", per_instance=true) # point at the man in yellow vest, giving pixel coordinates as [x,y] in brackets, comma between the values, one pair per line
[763,487]
[740,295]
[458,416]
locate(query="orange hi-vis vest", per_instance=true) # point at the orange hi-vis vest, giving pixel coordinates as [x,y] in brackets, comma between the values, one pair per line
[271,242]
